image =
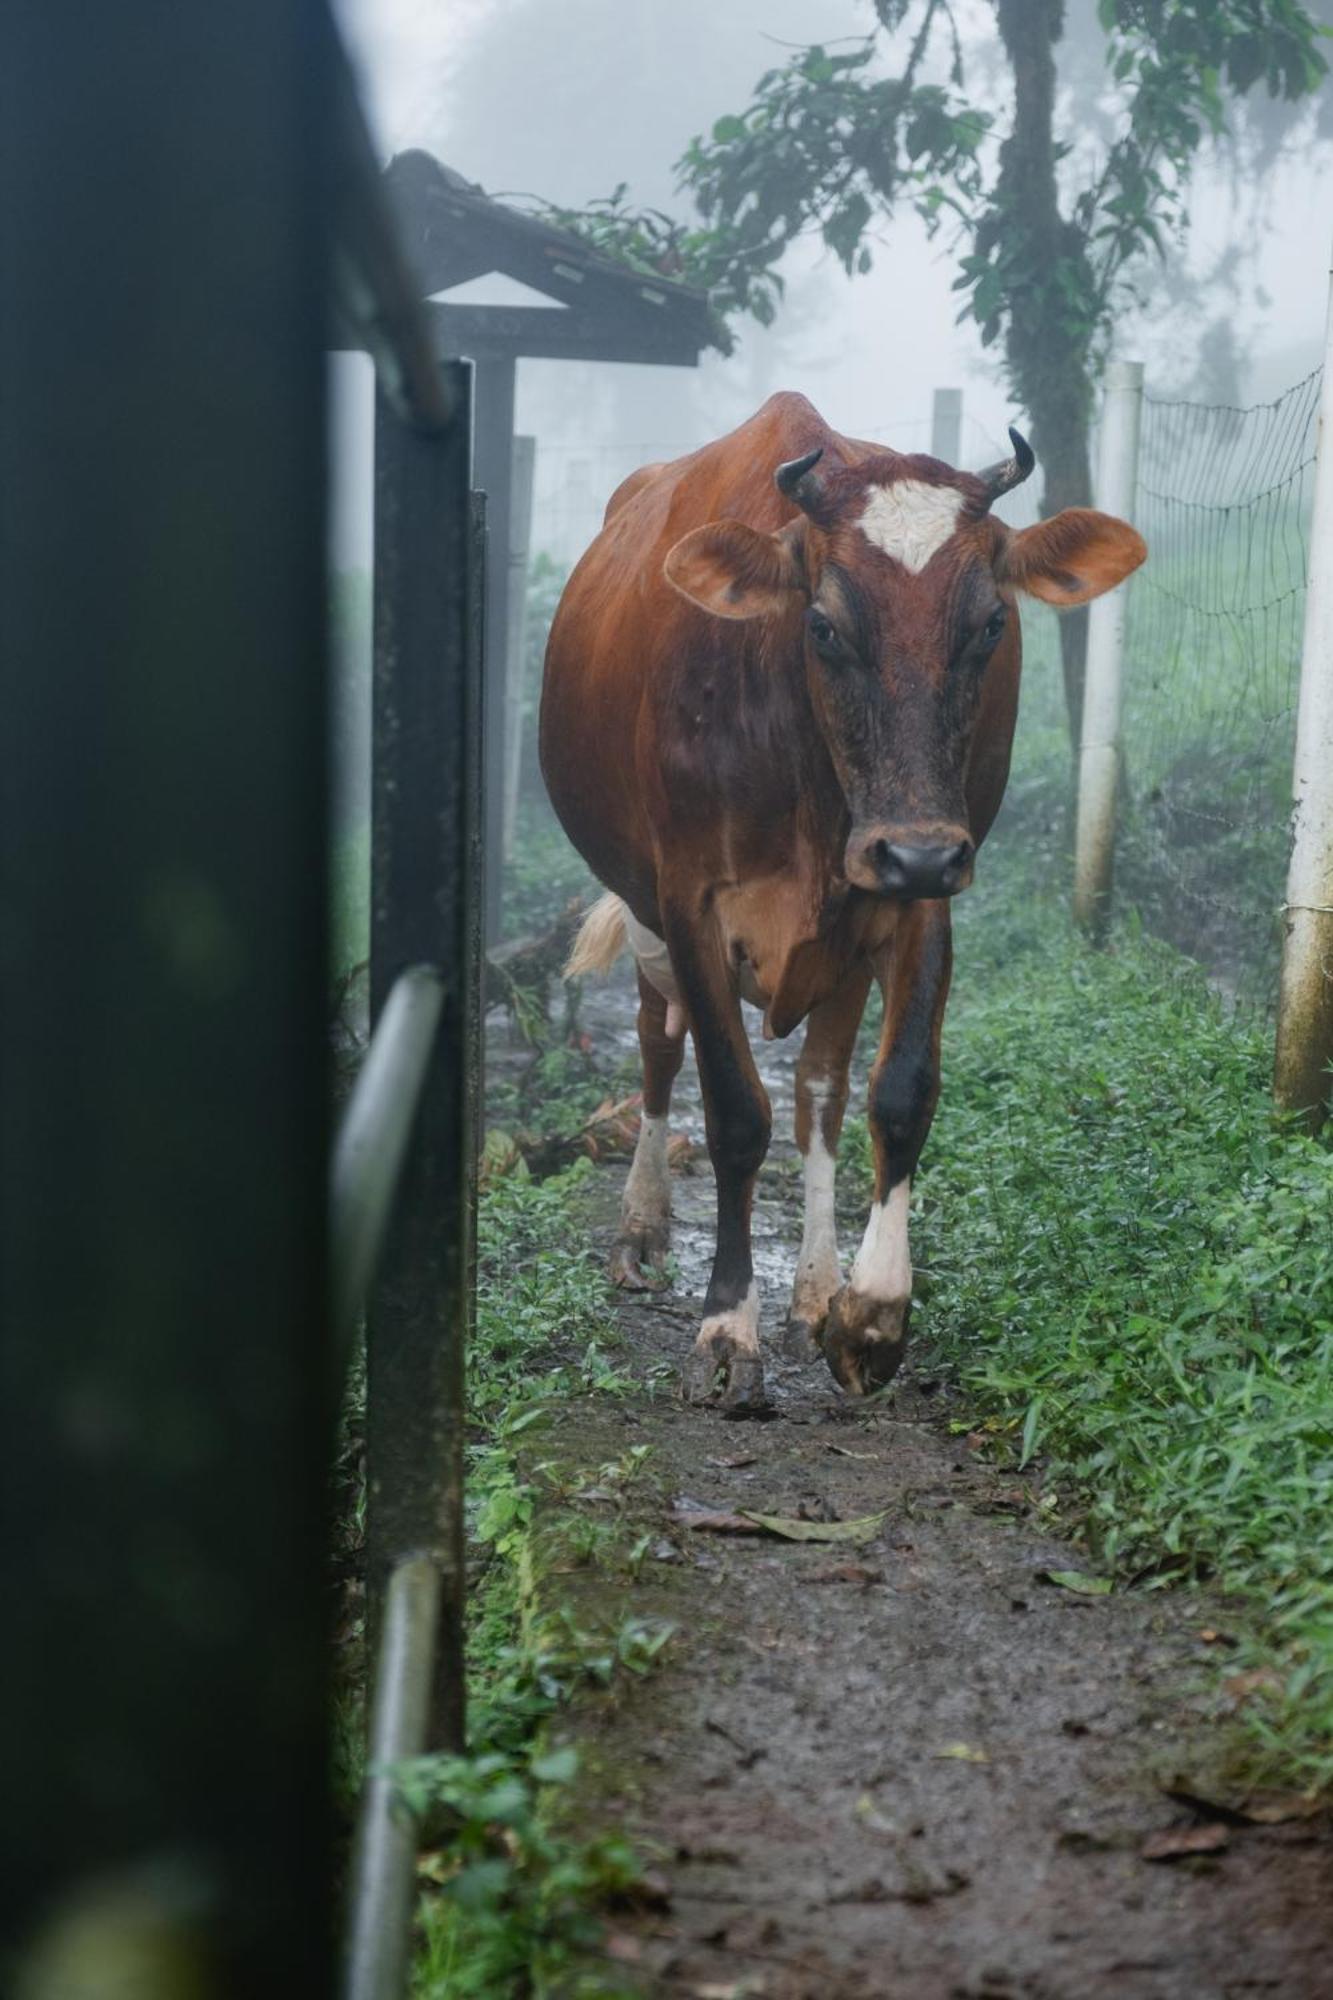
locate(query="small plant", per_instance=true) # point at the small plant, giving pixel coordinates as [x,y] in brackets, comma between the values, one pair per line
[508,1904]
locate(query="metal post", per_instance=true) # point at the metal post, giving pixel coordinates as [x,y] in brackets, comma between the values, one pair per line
[1099,752]
[1305,1001]
[423,726]
[373,1140]
[495,445]
[946,426]
[379,1945]
[165,1374]
[516,632]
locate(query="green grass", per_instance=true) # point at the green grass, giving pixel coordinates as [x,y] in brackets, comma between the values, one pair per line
[1130,1261]
[512,1894]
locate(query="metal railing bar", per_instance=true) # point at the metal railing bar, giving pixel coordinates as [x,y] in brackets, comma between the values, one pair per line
[373,1137]
[379,1942]
[374,292]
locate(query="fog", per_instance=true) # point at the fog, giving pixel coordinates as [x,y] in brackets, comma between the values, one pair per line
[565,102]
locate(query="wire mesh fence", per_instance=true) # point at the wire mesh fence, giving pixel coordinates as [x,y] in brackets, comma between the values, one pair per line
[1212,671]
[1212,658]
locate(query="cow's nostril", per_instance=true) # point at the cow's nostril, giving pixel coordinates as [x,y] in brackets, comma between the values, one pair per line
[888,868]
[921,871]
[955,864]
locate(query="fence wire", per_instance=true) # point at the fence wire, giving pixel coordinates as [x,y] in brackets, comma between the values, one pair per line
[1212,674]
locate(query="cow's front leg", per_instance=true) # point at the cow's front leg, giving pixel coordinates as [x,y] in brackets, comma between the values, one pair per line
[821,1099]
[645,1210]
[724,1362]
[866,1335]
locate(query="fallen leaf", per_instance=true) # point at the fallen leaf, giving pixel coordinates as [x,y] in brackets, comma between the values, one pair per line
[1077,1580]
[704,1520]
[1257,1808]
[846,1572]
[1173,1843]
[1276,1808]
[863,1529]
[1255,1680]
[844,1451]
[872,1818]
[733,1464]
[963,1753]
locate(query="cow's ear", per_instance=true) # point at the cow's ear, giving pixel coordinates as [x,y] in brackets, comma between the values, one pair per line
[1072,557]
[736,572]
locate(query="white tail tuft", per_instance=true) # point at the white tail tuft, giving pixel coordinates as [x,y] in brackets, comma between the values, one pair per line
[601,938]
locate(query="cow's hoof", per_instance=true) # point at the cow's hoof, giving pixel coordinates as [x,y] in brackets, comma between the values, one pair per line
[733,1380]
[636,1258]
[743,1394]
[724,1364]
[801,1339]
[865,1340]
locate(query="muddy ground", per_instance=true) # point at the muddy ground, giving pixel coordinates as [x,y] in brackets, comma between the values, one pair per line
[911,1767]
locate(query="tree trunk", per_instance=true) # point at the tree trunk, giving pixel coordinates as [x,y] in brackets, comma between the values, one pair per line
[1044,258]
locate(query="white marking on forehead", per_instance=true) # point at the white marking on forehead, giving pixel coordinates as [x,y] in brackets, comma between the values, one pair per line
[911,520]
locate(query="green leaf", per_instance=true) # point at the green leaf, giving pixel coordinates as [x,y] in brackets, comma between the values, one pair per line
[1030,1424]
[727,130]
[1079,1581]
[557,1767]
[864,1529]
[963,1753]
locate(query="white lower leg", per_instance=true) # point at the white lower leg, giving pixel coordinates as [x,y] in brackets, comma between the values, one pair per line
[735,1331]
[646,1204]
[882,1273]
[818,1274]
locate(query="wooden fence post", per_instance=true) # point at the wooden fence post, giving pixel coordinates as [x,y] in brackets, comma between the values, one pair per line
[1305,999]
[1099,751]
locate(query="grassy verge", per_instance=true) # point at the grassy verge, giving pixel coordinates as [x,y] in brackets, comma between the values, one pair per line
[1128,1261]
[512,1895]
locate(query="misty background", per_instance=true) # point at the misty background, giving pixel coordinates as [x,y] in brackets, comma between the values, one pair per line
[565,102]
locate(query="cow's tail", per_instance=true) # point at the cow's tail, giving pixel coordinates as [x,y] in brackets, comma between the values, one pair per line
[601,938]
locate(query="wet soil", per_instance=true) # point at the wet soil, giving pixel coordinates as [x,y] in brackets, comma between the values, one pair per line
[912,1767]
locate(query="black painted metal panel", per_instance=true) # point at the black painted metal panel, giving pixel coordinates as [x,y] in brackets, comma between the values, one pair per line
[164,1352]
[424,724]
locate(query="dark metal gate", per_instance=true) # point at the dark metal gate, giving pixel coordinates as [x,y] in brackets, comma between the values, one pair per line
[181,189]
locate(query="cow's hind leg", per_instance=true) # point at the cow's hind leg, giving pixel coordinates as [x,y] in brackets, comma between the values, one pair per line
[821,1100]
[866,1335]
[645,1210]
[725,1359]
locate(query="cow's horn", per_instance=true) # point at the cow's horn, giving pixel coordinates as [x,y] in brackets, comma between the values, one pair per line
[1010,472]
[788,477]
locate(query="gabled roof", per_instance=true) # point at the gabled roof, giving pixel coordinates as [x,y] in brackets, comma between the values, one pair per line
[453,231]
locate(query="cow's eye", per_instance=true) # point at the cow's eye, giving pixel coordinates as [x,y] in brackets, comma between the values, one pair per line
[823,632]
[994,625]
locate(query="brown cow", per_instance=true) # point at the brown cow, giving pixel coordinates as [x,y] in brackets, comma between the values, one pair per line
[780,693]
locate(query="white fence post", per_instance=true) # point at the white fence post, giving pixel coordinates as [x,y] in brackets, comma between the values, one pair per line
[946,425]
[516,627]
[1305,999]
[1099,751]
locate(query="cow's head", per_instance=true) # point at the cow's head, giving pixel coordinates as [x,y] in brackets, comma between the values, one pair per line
[905,586]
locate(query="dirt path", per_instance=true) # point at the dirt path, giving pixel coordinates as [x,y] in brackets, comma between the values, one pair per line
[910,1768]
